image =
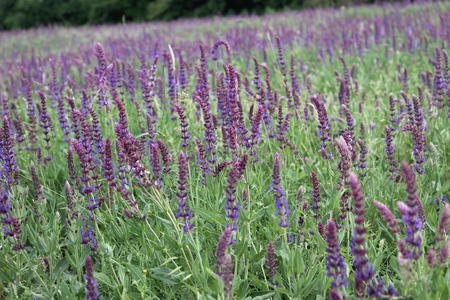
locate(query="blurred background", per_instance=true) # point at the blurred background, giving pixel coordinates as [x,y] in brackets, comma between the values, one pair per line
[18,14]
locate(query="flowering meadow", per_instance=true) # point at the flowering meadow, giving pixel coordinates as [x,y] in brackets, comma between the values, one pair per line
[298,155]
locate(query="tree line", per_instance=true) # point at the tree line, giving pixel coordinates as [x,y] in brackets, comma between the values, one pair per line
[17,14]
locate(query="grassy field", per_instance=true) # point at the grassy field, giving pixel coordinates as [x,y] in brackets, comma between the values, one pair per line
[301,155]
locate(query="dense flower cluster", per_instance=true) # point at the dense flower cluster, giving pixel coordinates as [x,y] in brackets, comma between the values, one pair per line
[89,131]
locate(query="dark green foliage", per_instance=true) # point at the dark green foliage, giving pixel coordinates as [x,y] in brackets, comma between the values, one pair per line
[17,14]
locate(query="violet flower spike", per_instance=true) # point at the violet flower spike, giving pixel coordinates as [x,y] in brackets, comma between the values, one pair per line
[221,248]
[185,135]
[414,201]
[183,211]
[7,153]
[108,164]
[232,206]
[315,195]
[155,163]
[364,271]
[388,216]
[390,151]
[88,235]
[45,122]
[165,154]
[271,260]
[280,196]
[92,292]
[215,50]
[227,276]
[344,162]
[101,75]
[71,213]
[335,262]
[201,159]
[324,127]
[410,246]
[444,223]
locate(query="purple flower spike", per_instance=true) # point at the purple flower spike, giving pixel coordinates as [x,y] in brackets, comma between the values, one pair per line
[444,223]
[88,235]
[224,263]
[215,49]
[410,247]
[45,121]
[256,122]
[335,261]
[220,166]
[227,276]
[390,151]
[92,292]
[183,212]
[271,260]
[108,165]
[439,81]
[232,206]
[165,154]
[418,135]
[324,127]
[221,248]
[7,153]
[364,271]
[315,195]
[156,163]
[201,159]
[280,58]
[280,196]
[185,135]
[413,199]
[344,162]
[101,74]
[210,135]
[388,216]
[71,213]
[334,295]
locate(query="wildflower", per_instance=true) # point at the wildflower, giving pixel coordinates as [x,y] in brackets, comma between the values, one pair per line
[201,159]
[315,193]
[101,74]
[232,206]
[156,164]
[411,245]
[220,166]
[166,156]
[185,135]
[413,199]
[92,292]
[45,121]
[271,260]
[280,196]
[108,164]
[221,248]
[227,275]
[390,150]
[344,162]
[88,235]
[335,261]
[363,268]
[183,211]
[388,216]
[215,49]
[71,213]
[324,127]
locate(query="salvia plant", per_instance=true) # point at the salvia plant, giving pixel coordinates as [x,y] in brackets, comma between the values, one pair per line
[297,155]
